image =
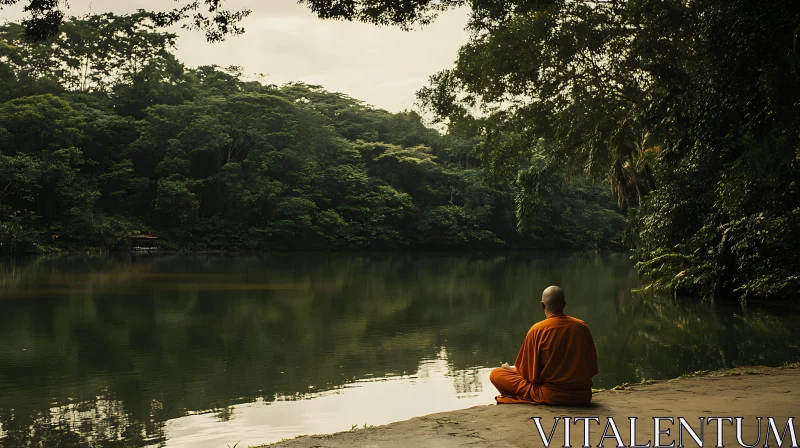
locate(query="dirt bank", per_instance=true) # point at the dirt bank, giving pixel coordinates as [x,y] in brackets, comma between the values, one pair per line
[747,392]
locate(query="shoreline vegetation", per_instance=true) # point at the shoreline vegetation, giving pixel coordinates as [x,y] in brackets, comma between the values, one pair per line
[693,395]
[207,159]
[236,251]
[683,149]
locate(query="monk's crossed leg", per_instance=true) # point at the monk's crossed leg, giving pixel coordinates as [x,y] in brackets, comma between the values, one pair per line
[510,383]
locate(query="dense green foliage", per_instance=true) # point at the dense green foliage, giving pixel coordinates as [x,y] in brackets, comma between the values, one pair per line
[689,109]
[103,133]
[46,17]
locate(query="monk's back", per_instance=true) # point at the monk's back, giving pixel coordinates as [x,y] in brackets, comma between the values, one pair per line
[567,360]
[556,362]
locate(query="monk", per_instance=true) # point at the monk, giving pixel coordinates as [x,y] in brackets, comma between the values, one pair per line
[556,362]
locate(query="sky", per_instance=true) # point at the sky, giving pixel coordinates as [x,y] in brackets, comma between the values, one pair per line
[383,66]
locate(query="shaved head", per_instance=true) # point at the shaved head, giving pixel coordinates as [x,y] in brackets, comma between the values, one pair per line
[553,299]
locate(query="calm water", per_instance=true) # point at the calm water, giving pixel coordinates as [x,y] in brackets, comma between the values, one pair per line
[204,351]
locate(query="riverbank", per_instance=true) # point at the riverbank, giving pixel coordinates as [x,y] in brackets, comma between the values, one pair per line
[747,392]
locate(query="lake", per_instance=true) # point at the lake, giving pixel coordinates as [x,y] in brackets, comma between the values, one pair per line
[210,351]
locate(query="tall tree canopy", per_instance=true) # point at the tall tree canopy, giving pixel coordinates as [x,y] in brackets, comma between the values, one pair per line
[103,133]
[689,109]
[45,17]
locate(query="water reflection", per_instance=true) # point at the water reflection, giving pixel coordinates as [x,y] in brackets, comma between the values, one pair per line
[108,349]
[364,402]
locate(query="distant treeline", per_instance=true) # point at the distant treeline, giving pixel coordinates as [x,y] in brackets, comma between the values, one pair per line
[103,133]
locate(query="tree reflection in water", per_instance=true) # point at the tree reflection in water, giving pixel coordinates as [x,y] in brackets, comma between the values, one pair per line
[102,351]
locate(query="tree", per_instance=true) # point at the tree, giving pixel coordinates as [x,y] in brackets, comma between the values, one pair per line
[46,17]
[677,105]
[687,110]
[92,53]
[110,135]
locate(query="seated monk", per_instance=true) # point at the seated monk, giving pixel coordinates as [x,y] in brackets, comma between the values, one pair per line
[556,362]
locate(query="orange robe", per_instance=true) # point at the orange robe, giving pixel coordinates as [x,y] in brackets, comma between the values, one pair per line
[554,366]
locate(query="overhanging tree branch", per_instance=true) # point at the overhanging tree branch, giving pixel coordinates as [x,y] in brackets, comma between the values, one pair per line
[210,16]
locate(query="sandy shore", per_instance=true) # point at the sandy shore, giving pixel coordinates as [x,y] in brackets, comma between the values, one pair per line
[747,392]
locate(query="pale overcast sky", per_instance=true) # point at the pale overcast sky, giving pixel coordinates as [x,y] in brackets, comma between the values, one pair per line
[383,66]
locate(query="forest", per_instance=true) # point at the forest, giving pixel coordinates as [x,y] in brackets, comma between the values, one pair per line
[105,134]
[687,112]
